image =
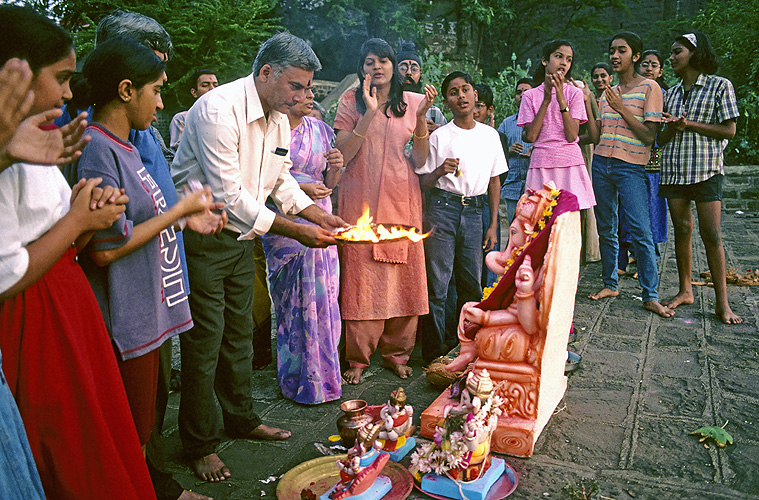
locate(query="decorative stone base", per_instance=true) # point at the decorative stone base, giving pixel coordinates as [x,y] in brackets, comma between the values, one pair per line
[435,484]
[376,491]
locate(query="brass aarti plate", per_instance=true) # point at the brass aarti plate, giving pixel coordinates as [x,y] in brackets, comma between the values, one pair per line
[320,474]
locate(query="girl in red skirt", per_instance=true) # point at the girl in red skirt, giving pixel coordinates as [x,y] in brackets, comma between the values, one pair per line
[57,357]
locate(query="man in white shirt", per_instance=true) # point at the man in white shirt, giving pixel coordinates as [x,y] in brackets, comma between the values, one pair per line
[236,140]
[461,175]
[202,81]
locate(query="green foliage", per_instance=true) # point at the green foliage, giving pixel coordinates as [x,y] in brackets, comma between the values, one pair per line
[503,27]
[584,490]
[221,35]
[504,85]
[437,67]
[337,28]
[731,27]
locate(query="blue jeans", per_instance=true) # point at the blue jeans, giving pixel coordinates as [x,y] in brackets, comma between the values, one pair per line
[453,249]
[619,185]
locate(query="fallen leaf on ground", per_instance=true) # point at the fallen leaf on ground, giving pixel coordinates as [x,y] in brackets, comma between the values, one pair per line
[720,436]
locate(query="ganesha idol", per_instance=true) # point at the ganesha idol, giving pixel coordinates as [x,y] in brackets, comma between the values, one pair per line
[395,419]
[519,332]
[457,464]
[360,477]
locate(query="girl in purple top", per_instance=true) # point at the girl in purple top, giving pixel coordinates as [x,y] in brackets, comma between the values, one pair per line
[551,115]
[134,266]
[305,281]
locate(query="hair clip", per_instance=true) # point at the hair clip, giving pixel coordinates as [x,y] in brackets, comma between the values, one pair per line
[691,38]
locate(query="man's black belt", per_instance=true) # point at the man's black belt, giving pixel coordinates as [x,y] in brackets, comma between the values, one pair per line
[478,201]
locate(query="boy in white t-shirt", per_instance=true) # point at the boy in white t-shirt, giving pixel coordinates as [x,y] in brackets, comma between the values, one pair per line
[460,177]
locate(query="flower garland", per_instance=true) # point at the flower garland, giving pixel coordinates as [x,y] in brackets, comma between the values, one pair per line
[451,447]
[518,250]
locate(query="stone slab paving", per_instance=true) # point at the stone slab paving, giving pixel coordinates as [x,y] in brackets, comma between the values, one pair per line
[645,382]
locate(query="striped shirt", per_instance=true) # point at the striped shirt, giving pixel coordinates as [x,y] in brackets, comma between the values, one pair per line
[617,138]
[690,157]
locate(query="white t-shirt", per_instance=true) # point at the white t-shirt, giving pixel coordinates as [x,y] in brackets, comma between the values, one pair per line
[32,199]
[480,157]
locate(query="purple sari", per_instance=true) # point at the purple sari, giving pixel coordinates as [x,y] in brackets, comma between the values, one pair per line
[304,284]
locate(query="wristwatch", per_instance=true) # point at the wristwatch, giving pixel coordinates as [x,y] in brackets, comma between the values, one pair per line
[565,110]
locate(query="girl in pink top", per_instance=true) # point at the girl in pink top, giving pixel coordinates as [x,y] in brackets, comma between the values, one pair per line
[551,115]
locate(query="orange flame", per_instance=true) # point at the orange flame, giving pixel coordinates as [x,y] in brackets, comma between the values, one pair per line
[366,231]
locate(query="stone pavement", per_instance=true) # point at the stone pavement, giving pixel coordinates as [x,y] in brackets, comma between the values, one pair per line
[644,384]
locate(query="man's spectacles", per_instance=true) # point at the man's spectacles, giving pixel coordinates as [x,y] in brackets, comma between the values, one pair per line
[648,64]
[413,68]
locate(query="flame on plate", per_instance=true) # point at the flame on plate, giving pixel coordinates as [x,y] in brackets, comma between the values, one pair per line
[366,231]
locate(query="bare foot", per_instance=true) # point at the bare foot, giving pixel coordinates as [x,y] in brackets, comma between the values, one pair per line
[621,272]
[211,468]
[655,306]
[727,316]
[681,298]
[267,433]
[189,495]
[403,371]
[353,375]
[605,292]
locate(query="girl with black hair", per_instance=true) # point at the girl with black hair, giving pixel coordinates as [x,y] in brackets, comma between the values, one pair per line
[628,117]
[374,124]
[57,358]
[601,77]
[551,115]
[651,66]
[135,263]
[700,114]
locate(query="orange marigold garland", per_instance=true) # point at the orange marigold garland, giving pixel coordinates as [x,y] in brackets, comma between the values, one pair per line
[518,250]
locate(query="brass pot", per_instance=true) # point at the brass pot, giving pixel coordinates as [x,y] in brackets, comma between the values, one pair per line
[352,420]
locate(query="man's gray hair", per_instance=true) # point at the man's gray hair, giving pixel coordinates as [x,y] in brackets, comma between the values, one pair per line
[144,29]
[284,50]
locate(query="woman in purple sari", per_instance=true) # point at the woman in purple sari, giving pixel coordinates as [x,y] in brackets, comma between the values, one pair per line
[304,282]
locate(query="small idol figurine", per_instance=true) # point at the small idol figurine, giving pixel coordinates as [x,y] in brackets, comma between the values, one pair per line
[359,471]
[397,427]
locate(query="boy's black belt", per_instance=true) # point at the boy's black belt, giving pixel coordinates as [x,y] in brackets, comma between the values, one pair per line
[478,201]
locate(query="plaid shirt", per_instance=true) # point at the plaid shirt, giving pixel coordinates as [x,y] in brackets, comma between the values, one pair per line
[690,157]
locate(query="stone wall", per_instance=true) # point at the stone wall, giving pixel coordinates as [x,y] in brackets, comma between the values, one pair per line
[741,188]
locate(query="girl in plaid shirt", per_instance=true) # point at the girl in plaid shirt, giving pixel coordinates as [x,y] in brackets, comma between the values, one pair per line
[700,114]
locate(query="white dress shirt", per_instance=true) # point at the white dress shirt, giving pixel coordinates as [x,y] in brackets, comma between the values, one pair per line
[32,199]
[229,143]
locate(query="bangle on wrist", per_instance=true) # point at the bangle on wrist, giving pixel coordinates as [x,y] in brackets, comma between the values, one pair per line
[357,134]
[522,295]
[426,135]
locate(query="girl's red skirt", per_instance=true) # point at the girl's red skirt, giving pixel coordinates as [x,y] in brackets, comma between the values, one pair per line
[61,368]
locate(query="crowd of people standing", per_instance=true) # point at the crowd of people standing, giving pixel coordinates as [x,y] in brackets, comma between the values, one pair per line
[103,266]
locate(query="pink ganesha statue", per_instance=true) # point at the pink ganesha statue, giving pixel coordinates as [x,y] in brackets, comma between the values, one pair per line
[519,332]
